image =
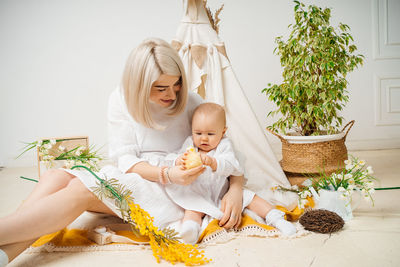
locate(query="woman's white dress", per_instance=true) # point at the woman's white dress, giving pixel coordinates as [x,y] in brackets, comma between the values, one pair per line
[130,143]
[205,194]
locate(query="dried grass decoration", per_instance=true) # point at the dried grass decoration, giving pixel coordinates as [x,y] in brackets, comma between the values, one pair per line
[321,221]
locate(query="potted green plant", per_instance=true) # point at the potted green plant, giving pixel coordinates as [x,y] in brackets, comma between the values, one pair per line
[316,59]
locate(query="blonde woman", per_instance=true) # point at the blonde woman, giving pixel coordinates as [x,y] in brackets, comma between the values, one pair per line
[149,116]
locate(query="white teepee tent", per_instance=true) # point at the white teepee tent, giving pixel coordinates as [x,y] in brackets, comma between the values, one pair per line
[211,75]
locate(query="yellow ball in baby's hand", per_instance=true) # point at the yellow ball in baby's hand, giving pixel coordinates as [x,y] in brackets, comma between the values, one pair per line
[193,159]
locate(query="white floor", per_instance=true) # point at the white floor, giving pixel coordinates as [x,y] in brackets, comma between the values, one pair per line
[372,238]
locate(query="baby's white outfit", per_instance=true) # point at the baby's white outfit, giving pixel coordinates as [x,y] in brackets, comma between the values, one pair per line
[205,193]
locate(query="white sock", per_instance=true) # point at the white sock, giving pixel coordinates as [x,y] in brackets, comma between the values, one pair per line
[190,231]
[276,219]
[3,258]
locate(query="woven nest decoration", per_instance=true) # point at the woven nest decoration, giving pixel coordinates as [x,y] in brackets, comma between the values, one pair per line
[321,221]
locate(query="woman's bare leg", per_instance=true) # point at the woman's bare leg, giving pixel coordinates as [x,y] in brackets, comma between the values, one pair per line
[13,250]
[48,215]
[50,182]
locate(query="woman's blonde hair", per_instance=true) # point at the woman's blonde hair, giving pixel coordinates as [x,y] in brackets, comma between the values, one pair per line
[144,66]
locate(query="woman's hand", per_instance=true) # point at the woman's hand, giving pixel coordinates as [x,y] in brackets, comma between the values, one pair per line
[179,175]
[231,204]
[181,159]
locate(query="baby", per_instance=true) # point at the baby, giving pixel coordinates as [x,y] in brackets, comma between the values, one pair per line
[204,195]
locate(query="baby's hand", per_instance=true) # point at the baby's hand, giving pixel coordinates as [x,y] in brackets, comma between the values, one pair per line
[209,161]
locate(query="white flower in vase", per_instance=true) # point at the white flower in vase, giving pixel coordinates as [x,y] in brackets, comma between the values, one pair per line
[367,198]
[364,192]
[350,188]
[369,170]
[39,143]
[53,142]
[369,184]
[61,148]
[371,190]
[341,189]
[347,162]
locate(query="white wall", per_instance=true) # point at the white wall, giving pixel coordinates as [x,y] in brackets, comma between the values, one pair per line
[59,60]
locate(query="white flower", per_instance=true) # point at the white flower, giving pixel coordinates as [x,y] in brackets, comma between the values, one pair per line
[351,181]
[341,189]
[78,152]
[364,191]
[348,176]
[39,142]
[367,198]
[70,164]
[369,184]
[347,162]
[48,158]
[53,142]
[361,162]
[302,203]
[61,148]
[48,146]
[371,190]
[357,167]
[349,166]
[305,194]
[350,189]
[340,176]
[369,170]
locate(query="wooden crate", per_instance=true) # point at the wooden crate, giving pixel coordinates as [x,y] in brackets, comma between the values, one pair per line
[69,143]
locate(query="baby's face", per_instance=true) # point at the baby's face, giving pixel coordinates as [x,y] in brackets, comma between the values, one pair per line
[207,131]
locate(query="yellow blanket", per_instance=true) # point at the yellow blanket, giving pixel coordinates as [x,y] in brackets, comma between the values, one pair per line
[77,237]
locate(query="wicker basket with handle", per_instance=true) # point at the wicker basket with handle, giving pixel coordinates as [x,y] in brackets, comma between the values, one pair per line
[327,156]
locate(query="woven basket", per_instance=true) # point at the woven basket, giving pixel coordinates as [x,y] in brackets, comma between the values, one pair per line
[327,156]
